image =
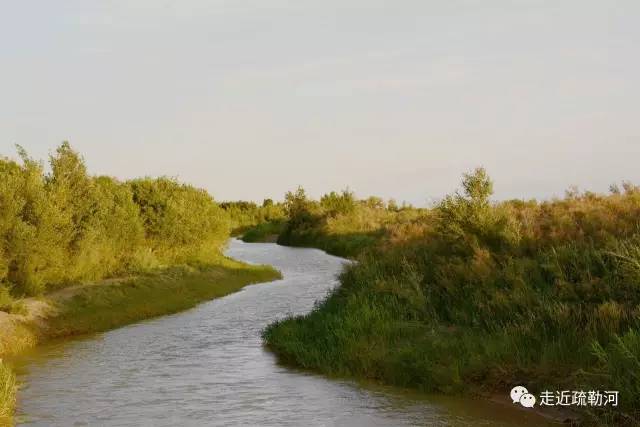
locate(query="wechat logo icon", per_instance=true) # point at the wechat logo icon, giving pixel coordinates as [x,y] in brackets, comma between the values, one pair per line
[522,396]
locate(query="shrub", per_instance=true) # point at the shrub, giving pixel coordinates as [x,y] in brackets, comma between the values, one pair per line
[244,215]
[68,226]
[181,223]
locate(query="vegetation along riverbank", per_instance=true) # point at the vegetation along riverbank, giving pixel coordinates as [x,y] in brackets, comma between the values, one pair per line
[82,253]
[476,296]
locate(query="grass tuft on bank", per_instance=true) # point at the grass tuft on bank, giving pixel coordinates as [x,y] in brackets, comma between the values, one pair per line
[8,390]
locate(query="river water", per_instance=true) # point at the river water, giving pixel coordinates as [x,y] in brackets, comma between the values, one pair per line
[207,366]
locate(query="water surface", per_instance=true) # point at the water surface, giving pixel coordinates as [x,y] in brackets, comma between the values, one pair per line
[207,366]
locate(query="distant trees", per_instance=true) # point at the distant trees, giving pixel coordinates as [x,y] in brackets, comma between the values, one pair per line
[298,207]
[67,226]
[336,204]
[244,215]
[339,222]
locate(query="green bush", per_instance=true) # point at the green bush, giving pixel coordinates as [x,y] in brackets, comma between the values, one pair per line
[263,231]
[338,204]
[181,223]
[67,226]
[245,215]
[341,224]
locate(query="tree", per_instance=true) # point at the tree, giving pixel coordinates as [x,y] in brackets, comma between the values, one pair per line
[297,207]
[338,204]
[467,220]
[478,187]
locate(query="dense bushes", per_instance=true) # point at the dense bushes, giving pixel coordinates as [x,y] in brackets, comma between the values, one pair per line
[245,215]
[339,223]
[67,226]
[264,232]
[181,223]
[489,295]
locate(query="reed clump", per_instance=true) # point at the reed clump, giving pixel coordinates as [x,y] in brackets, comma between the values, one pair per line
[8,389]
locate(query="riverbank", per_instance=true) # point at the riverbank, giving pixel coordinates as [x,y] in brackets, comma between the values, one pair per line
[475,296]
[348,245]
[108,304]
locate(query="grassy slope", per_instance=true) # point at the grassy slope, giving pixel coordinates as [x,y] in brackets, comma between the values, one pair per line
[382,327]
[479,298]
[100,308]
[110,304]
[349,234]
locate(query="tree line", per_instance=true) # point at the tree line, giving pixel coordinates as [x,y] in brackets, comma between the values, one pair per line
[66,226]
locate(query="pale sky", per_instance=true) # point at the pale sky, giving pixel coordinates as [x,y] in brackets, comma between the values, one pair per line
[249,99]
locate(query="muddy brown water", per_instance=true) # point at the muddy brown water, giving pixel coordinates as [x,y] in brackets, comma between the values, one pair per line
[207,367]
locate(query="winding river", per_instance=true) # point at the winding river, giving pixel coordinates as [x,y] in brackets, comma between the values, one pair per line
[207,366]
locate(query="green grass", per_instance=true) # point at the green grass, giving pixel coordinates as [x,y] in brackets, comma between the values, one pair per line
[7,394]
[348,245]
[99,308]
[382,328]
[263,232]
